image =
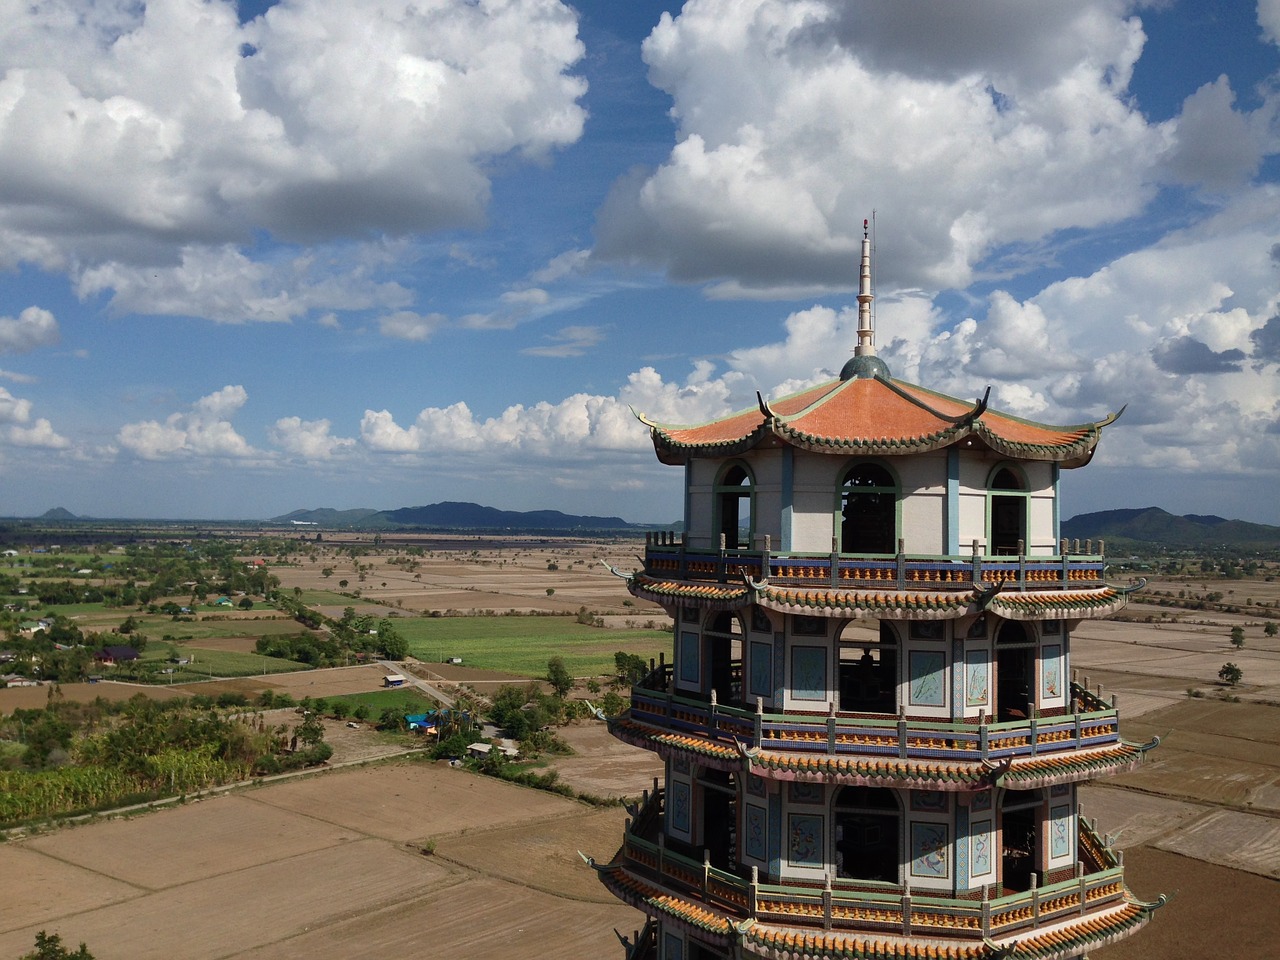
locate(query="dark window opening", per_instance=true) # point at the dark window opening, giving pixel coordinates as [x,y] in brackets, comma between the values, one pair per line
[1015,672]
[867,834]
[1019,842]
[733,507]
[1008,515]
[720,818]
[869,511]
[868,669]
[724,649]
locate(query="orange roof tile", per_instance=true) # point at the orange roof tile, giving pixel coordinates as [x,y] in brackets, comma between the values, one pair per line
[875,416]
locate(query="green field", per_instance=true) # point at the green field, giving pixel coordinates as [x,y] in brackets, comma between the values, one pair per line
[524,644]
[214,663]
[196,630]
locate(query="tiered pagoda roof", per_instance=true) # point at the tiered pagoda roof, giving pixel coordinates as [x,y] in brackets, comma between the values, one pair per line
[868,412]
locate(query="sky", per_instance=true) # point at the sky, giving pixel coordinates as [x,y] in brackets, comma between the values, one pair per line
[261,257]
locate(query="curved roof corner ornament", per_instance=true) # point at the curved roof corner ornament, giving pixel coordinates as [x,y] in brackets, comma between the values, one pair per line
[983,597]
[1131,588]
[1150,744]
[618,573]
[764,407]
[591,862]
[1110,418]
[996,772]
[998,952]
[979,408]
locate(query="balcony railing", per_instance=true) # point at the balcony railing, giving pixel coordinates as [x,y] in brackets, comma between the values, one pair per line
[654,703]
[667,557]
[872,906]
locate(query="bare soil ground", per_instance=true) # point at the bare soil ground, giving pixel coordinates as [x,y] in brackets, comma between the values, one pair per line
[333,866]
[327,867]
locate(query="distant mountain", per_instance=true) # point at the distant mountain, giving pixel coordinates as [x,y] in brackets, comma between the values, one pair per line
[1156,526]
[58,513]
[453,515]
[327,517]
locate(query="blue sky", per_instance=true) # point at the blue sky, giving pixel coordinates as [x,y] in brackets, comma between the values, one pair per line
[316,253]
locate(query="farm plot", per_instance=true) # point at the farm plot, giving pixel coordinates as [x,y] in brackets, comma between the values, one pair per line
[525,644]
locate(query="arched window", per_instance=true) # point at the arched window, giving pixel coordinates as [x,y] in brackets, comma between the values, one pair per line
[867,834]
[868,510]
[735,496]
[1007,513]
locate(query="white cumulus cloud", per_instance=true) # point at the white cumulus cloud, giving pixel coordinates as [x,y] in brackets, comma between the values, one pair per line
[203,431]
[32,328]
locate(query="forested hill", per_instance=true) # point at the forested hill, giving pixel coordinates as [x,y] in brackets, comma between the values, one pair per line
[1156,526]
[453,515]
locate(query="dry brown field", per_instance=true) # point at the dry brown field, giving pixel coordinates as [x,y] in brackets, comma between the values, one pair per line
[333,866]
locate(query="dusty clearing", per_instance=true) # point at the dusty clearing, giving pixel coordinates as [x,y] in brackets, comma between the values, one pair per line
[327,867]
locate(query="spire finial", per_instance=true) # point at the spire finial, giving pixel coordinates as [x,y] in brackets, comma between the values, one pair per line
[866,334]
[864,364]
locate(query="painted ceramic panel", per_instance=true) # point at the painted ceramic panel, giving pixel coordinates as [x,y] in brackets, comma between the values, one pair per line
[1051,672]
[755,785]
[761,670]
[981,801]
[800,791]
[977,678]
[689,657]
[929,850]
[980,848]
[926,687]
[760,622]
[1059,832]
[804,840]
[927,630]
[931,801]
[802,626]
[809,673]
[757,825]
[679,806]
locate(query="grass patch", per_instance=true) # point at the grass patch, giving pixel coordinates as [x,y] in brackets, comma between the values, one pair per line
[195,630]
[523,645]
[215,663]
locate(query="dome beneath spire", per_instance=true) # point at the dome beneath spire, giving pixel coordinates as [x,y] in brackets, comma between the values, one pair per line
[865,367]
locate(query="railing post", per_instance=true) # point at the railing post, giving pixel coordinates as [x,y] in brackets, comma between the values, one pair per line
[706,871]
[753,893]
[662,852]
[986,910]
[984,735]
[826,903]
[900,561]
[902,734]
[1035,897]
[906,913]
[831,726]
[835,563]
[1035,735]
[764,557]
[711,715]
[759,720]
[1084,888]
[977,563]
[1079,731]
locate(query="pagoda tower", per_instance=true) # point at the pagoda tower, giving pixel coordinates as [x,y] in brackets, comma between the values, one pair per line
[871,740]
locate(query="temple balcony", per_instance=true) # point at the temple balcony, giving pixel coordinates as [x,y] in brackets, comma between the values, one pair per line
[1087,905]
[667,558]
[840,747]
